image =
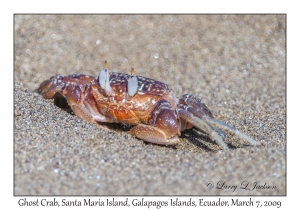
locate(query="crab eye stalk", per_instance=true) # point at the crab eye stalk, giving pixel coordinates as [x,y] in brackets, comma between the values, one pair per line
[104,80]
[104,76]
[132,84]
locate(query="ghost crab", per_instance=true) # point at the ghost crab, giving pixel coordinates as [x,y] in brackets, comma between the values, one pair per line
[156,114]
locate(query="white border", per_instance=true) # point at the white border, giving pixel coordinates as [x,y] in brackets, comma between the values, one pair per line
[153,6]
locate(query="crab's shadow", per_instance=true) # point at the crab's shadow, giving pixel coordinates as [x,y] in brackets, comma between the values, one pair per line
[201,140]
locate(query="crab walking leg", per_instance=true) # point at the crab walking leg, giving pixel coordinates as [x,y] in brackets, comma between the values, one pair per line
[220,132]
[202,125]
[195,106]
[231,129]
[198,114]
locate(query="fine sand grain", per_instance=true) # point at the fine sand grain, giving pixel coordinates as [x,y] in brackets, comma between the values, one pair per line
[234,63]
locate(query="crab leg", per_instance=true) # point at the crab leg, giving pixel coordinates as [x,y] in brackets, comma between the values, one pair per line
[202,125]
[231,129]
[195,107]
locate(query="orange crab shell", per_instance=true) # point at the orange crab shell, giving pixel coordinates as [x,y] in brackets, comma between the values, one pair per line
[130,110]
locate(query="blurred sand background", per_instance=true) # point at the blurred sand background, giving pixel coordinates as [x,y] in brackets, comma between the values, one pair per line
[234,63]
